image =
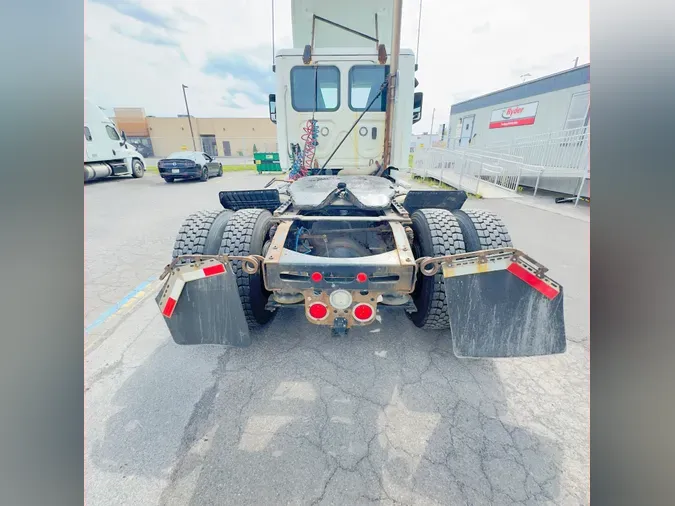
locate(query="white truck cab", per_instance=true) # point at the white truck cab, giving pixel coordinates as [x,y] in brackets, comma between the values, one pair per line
[106,150]
[335,84]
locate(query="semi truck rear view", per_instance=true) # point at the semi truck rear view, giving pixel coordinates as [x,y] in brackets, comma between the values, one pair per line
[106,151]
[342,238]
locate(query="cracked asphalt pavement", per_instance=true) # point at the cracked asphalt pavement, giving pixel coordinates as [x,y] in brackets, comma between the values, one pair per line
[387,415]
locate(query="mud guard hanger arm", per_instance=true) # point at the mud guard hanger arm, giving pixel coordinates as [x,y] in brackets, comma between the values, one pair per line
[307,55]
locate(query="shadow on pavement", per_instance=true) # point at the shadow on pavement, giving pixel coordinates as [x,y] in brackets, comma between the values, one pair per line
[302,418]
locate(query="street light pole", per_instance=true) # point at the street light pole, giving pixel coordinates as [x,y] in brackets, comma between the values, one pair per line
[192,134]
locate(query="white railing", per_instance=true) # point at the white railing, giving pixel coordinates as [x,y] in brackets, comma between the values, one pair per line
[561,154]
[470,168]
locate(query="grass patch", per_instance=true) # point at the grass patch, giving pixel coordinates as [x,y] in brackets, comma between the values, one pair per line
[439,184]
[226,168]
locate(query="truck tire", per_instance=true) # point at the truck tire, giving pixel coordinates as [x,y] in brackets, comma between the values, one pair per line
[245,234]
[482,230]
[437,233]
[168,179]
[137,168]
[201,233]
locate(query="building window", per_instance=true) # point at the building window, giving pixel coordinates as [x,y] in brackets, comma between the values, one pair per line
[364,83]
[579,112]
[87,133]
[112,133]
[306,80]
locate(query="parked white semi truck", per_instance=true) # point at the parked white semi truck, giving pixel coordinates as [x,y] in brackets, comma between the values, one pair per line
[106,151]
[334,74]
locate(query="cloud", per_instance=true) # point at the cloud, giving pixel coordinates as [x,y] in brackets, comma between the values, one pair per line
[242,67]
[147,36]
[138,12]
[186,16]
[481,28]
[222,49]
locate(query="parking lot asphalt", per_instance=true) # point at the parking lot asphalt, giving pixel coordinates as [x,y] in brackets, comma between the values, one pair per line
[386,415]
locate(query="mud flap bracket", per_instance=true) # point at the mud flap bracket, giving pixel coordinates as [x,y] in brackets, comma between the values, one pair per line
[501,304]
[200,304]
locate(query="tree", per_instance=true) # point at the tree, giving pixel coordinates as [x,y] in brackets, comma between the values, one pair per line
[255,149]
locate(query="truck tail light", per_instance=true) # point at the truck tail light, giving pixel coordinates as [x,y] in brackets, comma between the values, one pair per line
[363,312]
[318,311]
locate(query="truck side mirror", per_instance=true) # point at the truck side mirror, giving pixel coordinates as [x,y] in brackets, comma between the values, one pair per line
[124,138]
[417,107]
[273,108]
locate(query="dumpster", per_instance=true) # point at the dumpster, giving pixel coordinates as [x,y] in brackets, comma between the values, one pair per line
[266,162]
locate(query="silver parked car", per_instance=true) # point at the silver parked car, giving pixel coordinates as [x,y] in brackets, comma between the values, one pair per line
[189,165]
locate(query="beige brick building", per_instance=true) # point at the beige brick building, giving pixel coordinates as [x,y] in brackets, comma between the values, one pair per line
[157,137]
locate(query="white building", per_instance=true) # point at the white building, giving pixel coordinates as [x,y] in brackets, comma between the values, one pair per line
[557,102]
[544,124]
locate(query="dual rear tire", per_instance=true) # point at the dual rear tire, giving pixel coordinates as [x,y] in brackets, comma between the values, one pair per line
[438,232]
[225,232]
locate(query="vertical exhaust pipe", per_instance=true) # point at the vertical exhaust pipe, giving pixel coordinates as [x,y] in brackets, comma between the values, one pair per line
[391,87]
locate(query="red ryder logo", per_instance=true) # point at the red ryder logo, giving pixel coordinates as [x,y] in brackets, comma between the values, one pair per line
[513,116]
[512,111]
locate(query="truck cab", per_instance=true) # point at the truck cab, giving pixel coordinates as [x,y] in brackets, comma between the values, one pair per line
[106,150]
[337,67]
[335,89]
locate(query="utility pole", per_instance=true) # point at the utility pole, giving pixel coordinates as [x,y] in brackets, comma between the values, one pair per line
[431,132]
[192,134]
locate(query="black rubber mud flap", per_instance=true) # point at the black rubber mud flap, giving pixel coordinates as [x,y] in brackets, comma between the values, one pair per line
[208,311]
[497,313]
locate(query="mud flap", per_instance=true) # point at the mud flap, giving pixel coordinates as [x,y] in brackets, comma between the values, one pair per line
[501,308]
[200,305]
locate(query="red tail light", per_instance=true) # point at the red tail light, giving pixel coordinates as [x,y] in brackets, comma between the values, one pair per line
[363,312]
[361,277]
[316,277]
[318,311]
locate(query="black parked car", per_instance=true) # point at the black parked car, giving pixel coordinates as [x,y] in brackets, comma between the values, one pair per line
[189,165]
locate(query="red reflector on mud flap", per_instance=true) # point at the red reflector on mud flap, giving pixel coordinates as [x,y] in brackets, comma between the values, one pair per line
[537,283]
[169,307]
[213,270]
[179,281]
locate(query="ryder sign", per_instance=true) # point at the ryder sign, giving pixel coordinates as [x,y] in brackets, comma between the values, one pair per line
[515,115]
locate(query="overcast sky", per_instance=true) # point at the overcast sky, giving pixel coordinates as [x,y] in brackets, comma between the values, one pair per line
[139,52]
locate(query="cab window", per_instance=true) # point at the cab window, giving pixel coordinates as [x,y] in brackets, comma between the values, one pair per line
[323,79]
[364,83]
[112,133]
